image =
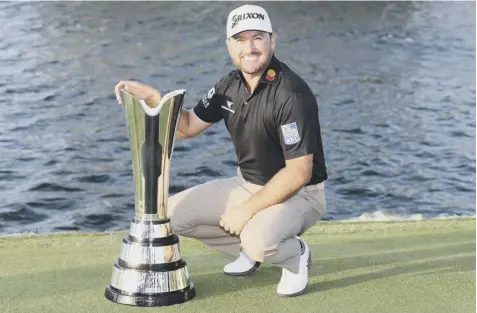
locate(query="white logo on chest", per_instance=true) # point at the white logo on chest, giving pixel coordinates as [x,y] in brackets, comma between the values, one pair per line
[228,107]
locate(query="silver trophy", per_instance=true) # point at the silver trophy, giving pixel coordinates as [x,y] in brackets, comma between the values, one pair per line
[150,270]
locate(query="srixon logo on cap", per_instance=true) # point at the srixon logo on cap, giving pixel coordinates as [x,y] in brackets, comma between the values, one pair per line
[246,16]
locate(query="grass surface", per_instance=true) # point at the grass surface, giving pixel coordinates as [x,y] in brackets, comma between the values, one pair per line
[418,266]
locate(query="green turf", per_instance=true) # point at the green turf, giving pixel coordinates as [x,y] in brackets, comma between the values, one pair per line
[422,266]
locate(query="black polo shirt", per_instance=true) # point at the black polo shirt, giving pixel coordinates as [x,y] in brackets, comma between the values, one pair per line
[278,122]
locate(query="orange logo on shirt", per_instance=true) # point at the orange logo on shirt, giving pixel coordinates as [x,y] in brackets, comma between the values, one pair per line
[270,75]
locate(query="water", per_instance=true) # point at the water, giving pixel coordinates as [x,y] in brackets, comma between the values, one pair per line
[395,84]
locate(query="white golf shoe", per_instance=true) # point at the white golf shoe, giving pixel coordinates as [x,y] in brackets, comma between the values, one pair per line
[292,284]
[242,266]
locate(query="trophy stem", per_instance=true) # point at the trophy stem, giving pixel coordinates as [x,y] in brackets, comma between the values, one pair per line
[151,164]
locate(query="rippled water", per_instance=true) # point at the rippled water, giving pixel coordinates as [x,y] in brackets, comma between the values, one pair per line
[395,83]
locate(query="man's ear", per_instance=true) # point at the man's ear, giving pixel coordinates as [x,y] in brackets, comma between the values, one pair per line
[227,43]
[273,40]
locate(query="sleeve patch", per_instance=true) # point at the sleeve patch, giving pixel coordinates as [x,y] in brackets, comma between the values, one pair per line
[290,133]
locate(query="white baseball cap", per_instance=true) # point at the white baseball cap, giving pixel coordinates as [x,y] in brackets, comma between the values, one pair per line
[248,17]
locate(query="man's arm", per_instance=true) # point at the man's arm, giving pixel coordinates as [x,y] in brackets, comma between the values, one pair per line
[297,129]
[190,124]
[283,185]
[203,115]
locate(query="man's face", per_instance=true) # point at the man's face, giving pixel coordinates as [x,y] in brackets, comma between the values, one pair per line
[251,50]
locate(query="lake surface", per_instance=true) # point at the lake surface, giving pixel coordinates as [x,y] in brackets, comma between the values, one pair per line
[395,84]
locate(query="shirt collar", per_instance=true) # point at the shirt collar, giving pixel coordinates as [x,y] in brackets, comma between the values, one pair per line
[270,75]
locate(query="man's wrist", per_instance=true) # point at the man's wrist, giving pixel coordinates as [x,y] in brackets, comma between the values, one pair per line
[251,207]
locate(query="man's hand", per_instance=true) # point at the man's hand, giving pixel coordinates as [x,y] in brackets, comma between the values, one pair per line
[235,218]
[141,91]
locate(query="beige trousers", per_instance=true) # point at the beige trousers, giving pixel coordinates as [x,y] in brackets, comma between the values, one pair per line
[269,236]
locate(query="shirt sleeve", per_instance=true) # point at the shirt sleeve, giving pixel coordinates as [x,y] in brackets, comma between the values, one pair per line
[298,126]
[209,107]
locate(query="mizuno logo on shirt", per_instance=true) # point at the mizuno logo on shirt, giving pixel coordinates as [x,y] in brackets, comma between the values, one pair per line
[228,107]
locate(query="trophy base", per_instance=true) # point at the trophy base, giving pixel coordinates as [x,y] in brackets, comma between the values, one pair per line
[150,300]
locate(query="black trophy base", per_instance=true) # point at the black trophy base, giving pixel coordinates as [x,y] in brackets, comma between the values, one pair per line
[150,300]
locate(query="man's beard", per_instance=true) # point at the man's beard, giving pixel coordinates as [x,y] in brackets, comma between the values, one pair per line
[261,68]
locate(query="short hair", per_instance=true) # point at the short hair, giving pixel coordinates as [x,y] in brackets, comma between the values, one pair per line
[237,35]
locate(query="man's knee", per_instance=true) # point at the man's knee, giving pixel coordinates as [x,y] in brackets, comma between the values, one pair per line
[181,224]
[177,226]
[258,247]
